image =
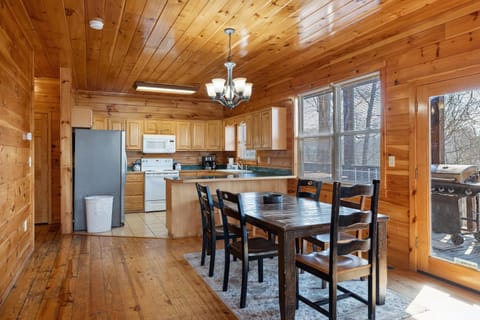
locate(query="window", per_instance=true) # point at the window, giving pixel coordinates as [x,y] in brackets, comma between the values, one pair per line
[242,151]
[339,131]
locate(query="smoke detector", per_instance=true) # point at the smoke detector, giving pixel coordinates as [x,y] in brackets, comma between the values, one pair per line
[96,23]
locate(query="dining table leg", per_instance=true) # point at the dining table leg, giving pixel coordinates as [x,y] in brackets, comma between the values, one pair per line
[286,275]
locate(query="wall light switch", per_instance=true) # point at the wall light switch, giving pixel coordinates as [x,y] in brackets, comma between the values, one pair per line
[25,225]
[391,161]
[30,162]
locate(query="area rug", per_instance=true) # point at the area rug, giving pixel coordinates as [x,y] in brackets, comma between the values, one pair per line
[262,298]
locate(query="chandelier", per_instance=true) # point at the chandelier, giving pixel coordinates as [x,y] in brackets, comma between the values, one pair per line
[232,92]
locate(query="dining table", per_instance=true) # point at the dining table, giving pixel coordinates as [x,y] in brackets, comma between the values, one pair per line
[292,218]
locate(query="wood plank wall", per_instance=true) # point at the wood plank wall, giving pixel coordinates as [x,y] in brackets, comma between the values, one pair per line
[46,99]
[16,176]
[437,43]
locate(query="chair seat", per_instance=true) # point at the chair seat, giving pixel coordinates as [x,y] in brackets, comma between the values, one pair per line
[345,264]
[324,238]
[257,248]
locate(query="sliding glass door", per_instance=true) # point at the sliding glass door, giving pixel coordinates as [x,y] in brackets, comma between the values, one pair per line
[448,184]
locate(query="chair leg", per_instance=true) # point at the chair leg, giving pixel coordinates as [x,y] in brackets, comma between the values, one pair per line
[212,258]
[204,248]
[226,270]
[260,270]
[372,298]
[243,293]
[332,304]
[297,289]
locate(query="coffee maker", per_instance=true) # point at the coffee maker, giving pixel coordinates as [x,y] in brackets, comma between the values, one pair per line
[209,162]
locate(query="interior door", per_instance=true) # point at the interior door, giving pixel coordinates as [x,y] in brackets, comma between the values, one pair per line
[448,131]
[42,167]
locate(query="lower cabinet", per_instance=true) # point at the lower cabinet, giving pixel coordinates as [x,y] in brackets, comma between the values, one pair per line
[134,192]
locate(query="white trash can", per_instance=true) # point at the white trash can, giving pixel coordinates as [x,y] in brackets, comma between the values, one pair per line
[99,213]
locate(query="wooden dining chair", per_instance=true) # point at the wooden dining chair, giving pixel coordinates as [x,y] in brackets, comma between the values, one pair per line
[321,240]
[307,188]
[255,248]
[211,232]
[339,264]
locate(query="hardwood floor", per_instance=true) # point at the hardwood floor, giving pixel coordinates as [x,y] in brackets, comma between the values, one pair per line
[99,277]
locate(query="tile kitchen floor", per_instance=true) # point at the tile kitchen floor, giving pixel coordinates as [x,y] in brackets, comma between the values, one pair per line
[145,224]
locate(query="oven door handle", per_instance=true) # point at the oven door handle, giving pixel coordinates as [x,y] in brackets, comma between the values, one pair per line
[444,179]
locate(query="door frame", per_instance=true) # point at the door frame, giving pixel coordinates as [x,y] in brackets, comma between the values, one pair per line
[424,262]
[49,164]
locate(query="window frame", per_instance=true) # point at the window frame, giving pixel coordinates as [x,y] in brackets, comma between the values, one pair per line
[336,132]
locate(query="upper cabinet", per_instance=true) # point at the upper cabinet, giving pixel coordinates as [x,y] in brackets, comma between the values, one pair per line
[82,118]
[183,136]
[267,129]
[134,134]
[116,124]
[100,122]
[198,139]
[191,135]
[199,135]
[214,140]
[152,126]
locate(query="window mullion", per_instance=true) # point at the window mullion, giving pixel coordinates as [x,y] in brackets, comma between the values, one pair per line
[336,152]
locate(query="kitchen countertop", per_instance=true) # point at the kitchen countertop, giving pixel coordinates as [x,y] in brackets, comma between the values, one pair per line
[229,176]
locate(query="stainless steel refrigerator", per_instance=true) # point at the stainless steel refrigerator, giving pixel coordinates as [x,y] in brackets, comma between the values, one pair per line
[100,166]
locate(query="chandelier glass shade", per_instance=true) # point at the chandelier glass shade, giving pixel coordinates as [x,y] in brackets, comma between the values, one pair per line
[231,92]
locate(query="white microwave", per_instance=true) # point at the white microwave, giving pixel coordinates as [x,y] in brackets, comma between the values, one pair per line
[158,143]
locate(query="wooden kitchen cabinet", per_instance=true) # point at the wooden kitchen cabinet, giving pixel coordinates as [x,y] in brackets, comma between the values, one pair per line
[99,122]
[153,126]
[214,133]
[249,131]
[198,133]
[82,118]
[266,129]
[183,135]
[134,134]
[116,124]
[134,192]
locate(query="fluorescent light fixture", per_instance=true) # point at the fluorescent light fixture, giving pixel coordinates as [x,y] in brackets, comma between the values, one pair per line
[163,88]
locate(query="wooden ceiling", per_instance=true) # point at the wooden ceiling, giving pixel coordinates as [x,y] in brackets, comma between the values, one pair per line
[182,41]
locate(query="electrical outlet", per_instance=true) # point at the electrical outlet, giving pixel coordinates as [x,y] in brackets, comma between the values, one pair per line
[268,160]
[25,225]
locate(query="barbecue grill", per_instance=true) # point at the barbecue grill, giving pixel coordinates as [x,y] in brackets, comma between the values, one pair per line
[455,200]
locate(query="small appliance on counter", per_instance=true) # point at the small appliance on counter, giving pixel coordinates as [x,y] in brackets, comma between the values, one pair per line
[137,166]
[209,162]
[230,163]
[177,166]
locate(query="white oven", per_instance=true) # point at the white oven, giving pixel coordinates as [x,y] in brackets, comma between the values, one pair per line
[156,170]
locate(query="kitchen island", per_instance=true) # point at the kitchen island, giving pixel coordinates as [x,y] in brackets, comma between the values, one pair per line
[183,212]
